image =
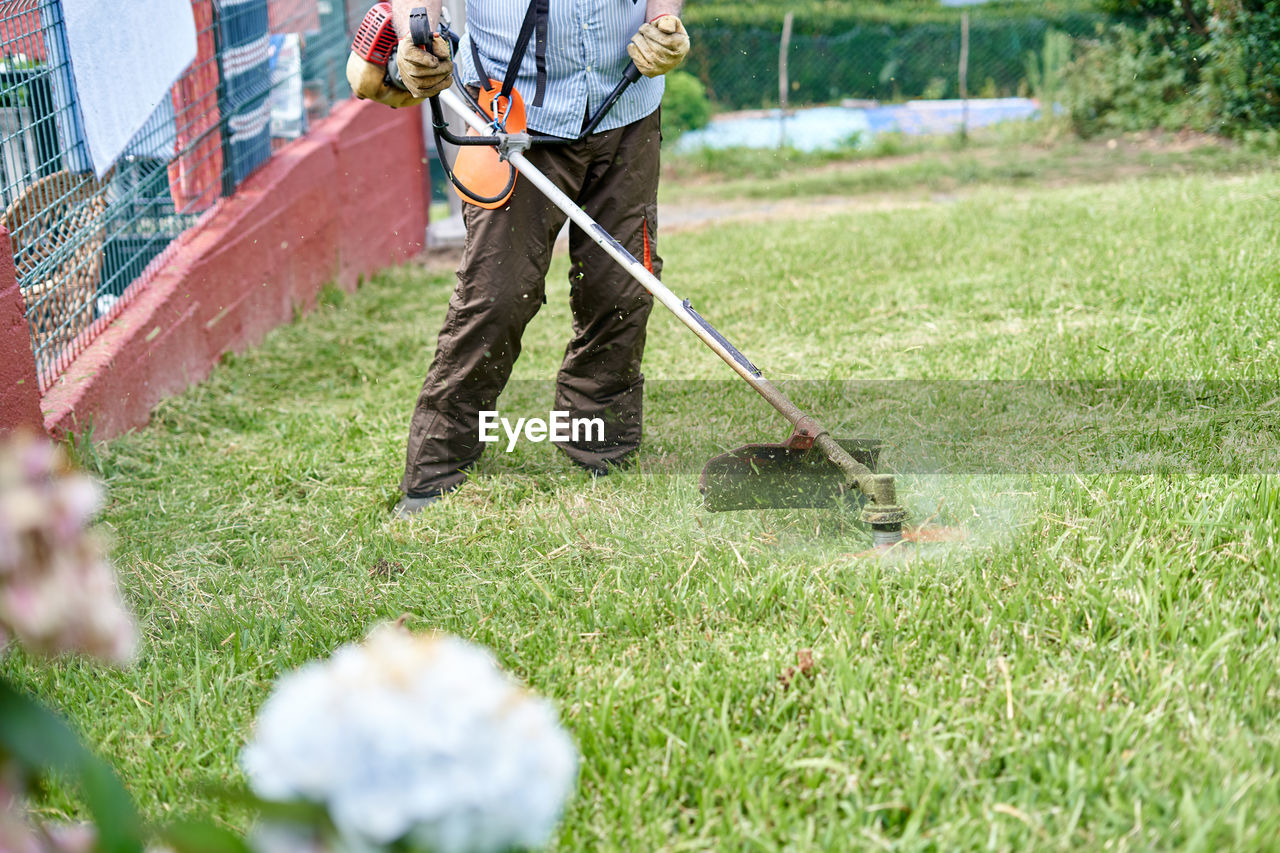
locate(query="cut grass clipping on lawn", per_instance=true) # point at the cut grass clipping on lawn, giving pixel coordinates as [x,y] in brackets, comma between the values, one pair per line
[1095,666]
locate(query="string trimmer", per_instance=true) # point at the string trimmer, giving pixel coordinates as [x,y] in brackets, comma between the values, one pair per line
[811,468]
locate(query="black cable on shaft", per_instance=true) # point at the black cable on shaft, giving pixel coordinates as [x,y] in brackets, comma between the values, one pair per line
[439,128]
[437,121]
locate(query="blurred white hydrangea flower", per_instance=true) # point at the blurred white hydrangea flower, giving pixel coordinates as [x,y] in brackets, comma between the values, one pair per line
[416,738]
[57,591]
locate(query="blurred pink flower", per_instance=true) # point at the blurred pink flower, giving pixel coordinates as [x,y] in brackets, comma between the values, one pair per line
[18,835]
[15,833]
[57,591]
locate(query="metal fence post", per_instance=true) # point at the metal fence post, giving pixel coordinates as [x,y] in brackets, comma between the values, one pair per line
[65,106]
[227,178]
[964,74]
[784,79]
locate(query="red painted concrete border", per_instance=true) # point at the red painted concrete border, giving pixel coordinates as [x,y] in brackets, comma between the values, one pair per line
[346,200]
[19,389]
[376,182]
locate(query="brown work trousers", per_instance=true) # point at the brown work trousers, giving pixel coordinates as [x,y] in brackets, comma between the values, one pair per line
[613,175]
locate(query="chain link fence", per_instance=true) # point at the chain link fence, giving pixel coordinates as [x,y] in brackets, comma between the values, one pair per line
[885,62]
[264,70]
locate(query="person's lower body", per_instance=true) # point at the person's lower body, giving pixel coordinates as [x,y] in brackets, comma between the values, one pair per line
[614,176]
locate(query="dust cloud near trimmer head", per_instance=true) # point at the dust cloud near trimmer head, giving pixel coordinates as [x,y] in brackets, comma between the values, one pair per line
[787,476]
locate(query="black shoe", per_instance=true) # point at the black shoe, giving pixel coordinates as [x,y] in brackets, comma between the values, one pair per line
[410,506]
[607,466]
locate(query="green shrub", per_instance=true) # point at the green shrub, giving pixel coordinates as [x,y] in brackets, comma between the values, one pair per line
[684,105]
[1130,79]
[1141,9]
[1181,63]
[1242,68]
[1047,69]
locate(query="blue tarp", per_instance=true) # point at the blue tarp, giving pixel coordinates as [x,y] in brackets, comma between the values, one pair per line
[821,128]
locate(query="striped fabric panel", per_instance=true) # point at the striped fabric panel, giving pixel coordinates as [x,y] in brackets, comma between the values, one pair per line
[244,47]
[243,60]
[241,21]
[248,152]
[586,55]
[238,60]
[250,123]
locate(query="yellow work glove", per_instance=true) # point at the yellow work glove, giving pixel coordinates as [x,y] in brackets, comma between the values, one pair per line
[659,46]
[368,81]
[425,74]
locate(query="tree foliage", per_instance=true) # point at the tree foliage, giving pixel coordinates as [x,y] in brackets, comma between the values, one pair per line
[1203,64]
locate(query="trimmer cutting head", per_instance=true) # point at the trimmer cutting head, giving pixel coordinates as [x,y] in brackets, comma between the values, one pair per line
[778,476]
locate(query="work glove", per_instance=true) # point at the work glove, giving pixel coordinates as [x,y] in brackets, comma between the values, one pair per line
[369,81]
[659,46]
[426,74]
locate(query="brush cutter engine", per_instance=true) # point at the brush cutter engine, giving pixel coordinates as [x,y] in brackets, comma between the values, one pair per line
[375,39]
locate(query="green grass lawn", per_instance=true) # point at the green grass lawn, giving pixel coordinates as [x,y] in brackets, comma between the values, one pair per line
[1096,666]
[1016,154]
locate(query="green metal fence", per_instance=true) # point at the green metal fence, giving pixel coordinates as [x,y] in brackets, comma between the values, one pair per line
[265,69]
[739,62]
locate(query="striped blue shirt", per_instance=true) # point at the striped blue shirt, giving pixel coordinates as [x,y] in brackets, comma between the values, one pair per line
[586,55]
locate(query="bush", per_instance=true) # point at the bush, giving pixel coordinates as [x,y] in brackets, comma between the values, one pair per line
[1181,63]
[1046,70]
[685,105]
[1130,80]
[1242,72]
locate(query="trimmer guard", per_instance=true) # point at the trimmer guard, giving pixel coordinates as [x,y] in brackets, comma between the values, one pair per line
[777,476]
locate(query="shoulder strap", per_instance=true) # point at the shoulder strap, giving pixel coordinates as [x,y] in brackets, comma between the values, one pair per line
[479,63]
[540,54]
[535,21]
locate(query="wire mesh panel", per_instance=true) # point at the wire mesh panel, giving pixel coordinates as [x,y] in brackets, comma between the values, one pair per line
[263,72]
[53,205]
[737,61]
